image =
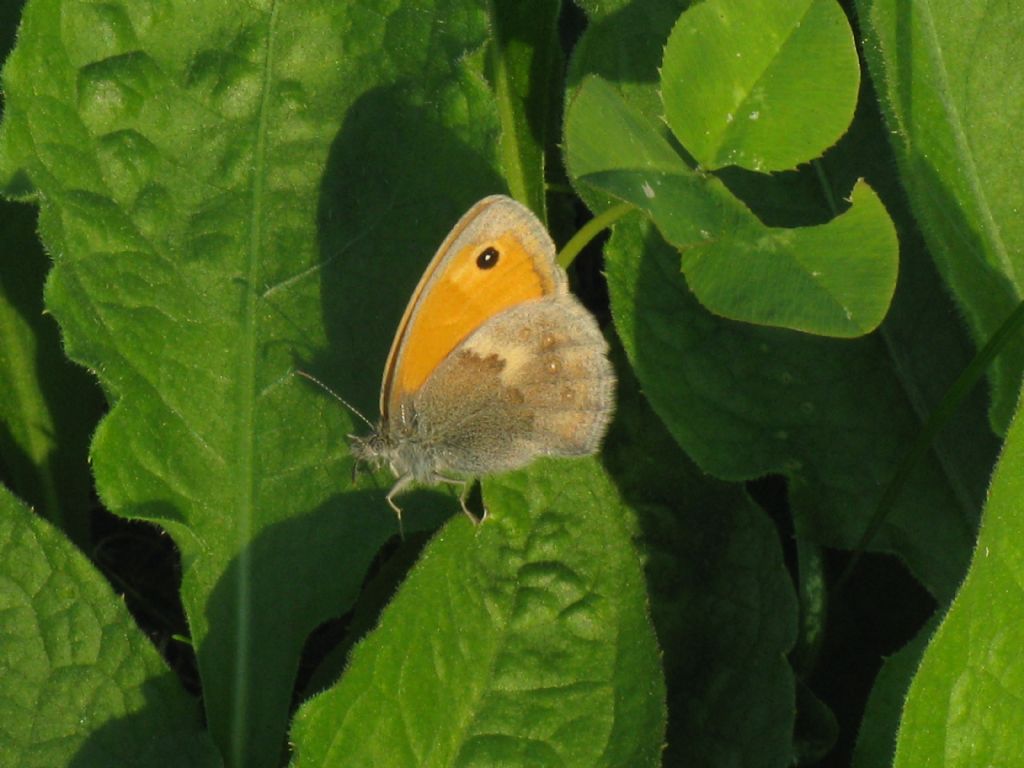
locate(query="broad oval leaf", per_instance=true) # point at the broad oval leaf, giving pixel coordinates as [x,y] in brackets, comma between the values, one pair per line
[830,415]
[760,84]
[876,739]
[964,706]
[833,279]
[722,600]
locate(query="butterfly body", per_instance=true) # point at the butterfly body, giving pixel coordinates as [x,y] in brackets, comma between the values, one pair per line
[494,363]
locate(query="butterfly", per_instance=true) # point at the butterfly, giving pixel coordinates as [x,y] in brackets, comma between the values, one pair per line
[494,362]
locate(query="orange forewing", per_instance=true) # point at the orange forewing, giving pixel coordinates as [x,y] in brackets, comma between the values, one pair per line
[460,298]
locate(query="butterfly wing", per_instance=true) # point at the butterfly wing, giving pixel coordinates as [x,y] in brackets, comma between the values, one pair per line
[533,380]
[461,288]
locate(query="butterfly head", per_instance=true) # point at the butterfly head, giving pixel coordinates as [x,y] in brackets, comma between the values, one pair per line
[401,450]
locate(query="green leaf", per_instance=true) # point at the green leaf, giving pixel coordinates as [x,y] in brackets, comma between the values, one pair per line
[81,684]
[830,416]
[10,13]
[218,186]
[48,407]
[835,418]
[526,63]
[964,705]
[722,601]
[817,729]
[876,739]
[761,84]
[44,433]
[523,641]
[948,81]
[832,279]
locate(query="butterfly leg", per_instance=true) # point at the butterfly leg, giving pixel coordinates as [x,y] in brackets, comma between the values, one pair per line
[466,486]
[397,488]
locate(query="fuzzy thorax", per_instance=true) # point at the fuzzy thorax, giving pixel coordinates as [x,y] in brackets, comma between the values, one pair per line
[405,455]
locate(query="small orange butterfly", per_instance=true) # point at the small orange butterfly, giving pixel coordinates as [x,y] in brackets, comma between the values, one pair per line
[494,362]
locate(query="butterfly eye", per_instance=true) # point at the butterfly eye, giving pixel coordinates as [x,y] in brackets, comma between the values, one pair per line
[488,258]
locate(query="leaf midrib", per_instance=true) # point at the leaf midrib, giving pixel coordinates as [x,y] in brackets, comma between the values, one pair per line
[246,485]
[729,133]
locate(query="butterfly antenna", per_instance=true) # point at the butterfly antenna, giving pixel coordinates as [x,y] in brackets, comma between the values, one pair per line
[335,395]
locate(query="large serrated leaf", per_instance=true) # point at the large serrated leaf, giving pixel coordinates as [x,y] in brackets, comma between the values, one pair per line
[217,184]
[82,685]
[523,641]
[525,64]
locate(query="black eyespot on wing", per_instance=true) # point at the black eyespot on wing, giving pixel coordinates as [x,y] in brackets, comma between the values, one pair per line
[488,258]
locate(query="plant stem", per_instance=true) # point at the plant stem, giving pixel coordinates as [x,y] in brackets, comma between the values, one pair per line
[938,419]
[589,231]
